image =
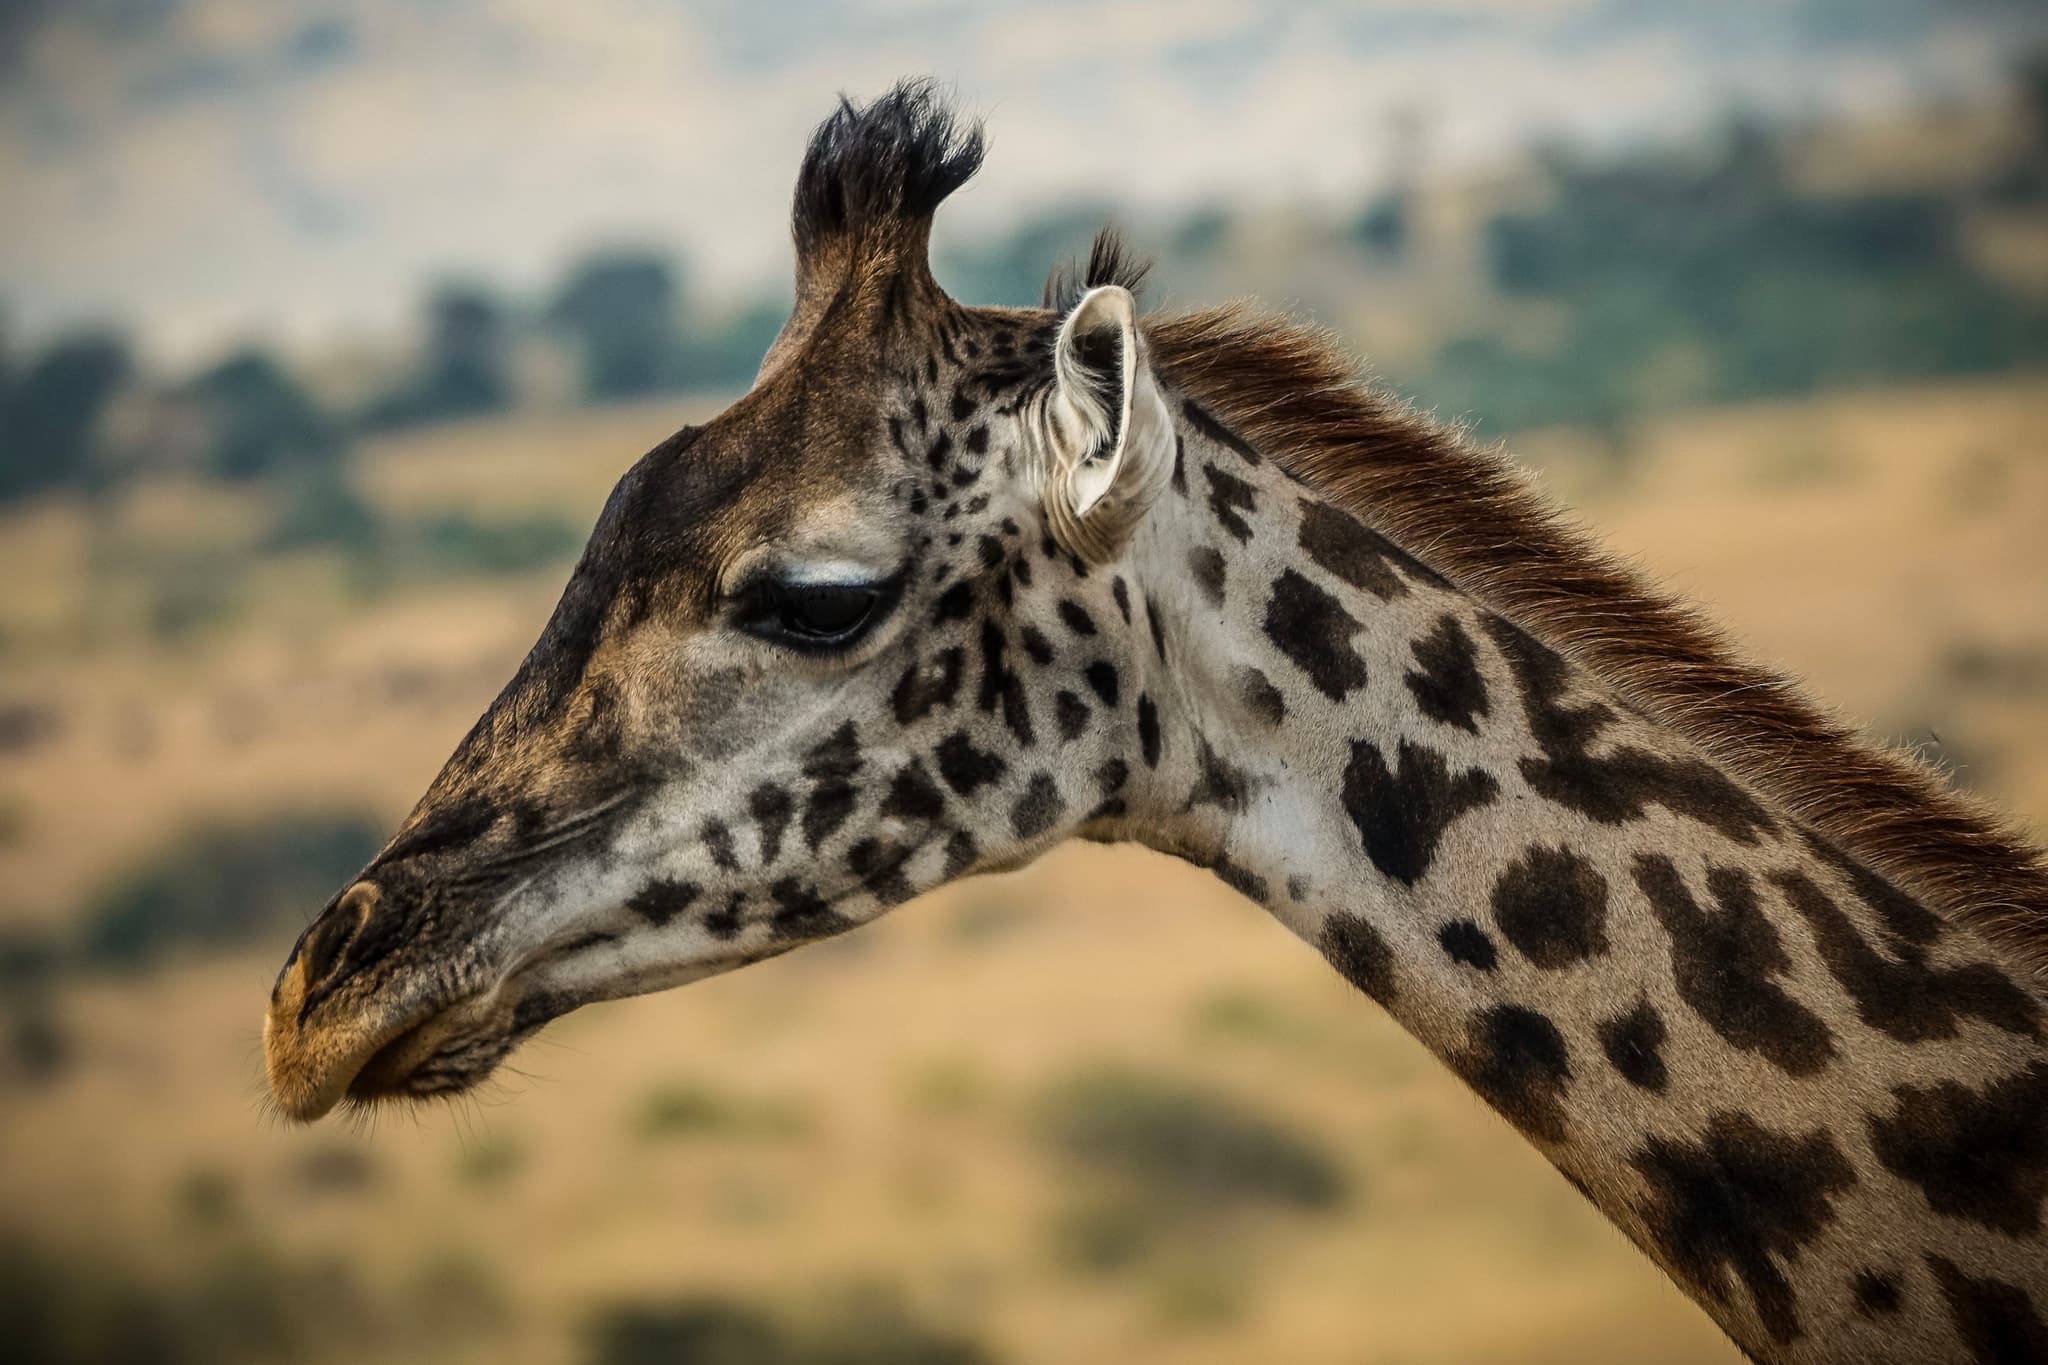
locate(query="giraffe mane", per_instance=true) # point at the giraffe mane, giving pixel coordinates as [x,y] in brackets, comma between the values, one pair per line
[1475,517]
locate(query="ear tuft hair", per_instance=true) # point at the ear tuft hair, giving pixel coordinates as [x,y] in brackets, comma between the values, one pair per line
[888,163]
[1109,262]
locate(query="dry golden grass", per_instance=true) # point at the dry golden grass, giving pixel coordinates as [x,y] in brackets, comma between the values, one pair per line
[1868,542]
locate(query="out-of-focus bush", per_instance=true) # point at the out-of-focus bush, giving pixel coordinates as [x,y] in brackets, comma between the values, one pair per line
[50,415]
[222,885]
[1170,1171]
[859,1328]
[696,1109]
[233,1302]
[1195,1148]
[262,420]
[242,1304]
[458,543]
[490,1160]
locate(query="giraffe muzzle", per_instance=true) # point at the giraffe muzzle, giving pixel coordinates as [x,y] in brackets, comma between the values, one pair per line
[352,1018]
[324,1038]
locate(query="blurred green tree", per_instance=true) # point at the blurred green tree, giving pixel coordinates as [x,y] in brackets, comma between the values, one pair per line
[262,421]
[624,309]
[50,414]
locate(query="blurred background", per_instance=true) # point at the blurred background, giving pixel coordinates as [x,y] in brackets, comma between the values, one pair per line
[324,329]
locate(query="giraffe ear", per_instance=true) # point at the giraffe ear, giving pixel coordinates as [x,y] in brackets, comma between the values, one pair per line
[1110,438]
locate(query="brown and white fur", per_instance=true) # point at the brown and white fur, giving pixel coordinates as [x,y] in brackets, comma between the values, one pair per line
[950,585]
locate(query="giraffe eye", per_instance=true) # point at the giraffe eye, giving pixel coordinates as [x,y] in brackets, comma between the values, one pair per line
[815,617]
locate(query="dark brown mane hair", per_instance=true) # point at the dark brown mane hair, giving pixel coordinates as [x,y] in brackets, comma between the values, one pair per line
[1472,516]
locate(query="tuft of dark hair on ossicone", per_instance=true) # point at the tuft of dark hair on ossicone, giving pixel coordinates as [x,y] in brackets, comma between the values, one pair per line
[882,166]
[1109,262]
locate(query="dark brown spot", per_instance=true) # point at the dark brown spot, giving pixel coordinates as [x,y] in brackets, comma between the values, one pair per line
[1446,684]
[1977,1155]
[1725,964]
[1743,1199]
[1999,1322]
[1360,953]
[1634,1044]
[1517,1060]
[1337,542]
[1206,564]
[658,902]
[1465,942]
[966,768]
[1401,813]
[1904,995]
[1552,906]
[1311,627]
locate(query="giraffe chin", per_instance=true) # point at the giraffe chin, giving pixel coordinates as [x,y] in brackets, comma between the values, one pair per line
[425,1049]
[382,1054]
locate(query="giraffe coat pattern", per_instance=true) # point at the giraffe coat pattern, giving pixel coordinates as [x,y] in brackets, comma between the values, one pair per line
[950,585]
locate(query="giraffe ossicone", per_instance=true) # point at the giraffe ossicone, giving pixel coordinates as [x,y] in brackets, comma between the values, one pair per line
[952,584]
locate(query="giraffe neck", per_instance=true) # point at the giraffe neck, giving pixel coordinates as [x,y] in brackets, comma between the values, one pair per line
[1820,1107]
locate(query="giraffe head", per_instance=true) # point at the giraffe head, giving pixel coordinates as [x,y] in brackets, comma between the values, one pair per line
[784,688]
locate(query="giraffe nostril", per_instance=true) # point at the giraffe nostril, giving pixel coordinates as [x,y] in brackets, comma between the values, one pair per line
[337,927]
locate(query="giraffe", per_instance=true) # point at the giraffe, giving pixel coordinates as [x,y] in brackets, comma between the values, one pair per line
[950,585]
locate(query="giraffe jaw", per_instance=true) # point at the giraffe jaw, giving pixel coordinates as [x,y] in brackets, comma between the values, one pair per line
[416,1041]
[420,1048]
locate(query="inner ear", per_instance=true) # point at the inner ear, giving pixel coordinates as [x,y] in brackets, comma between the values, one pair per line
[1109,436]
[1097,354]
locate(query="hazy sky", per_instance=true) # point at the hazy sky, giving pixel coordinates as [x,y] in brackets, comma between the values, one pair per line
[208,170]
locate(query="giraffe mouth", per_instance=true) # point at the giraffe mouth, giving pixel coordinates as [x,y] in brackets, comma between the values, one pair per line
[438,1050]
[417,1046]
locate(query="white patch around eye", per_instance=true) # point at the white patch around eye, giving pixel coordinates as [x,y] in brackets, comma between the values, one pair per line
[835,573]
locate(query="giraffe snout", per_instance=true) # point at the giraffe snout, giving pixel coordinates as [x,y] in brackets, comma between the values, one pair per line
[311,1062]
[326,944]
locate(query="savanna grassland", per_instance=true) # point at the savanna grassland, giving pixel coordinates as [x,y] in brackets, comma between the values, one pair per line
[1098,1110]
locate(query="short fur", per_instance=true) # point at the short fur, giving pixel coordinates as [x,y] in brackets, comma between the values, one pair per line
[1290,390]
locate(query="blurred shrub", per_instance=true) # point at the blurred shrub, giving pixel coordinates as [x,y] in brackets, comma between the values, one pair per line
[249,1303]
[321,507]
[189,593]
[29,957]
[622,307]
[262,420]
[452,1296]
[1177,1168]
[724,357]
[1188,1147]
[695,1109]
[990,912]
[334,1168]
[34,1047]
[1698,275]
[51,415]
[458,543]
[864,1328]
[951,1085]
[207,1198]
[59,1312]
[490,1160]
[467,368]
[37,1047]
[1249,1017]
[244,1304]
[2017,671]
[27,725]
[223,885]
